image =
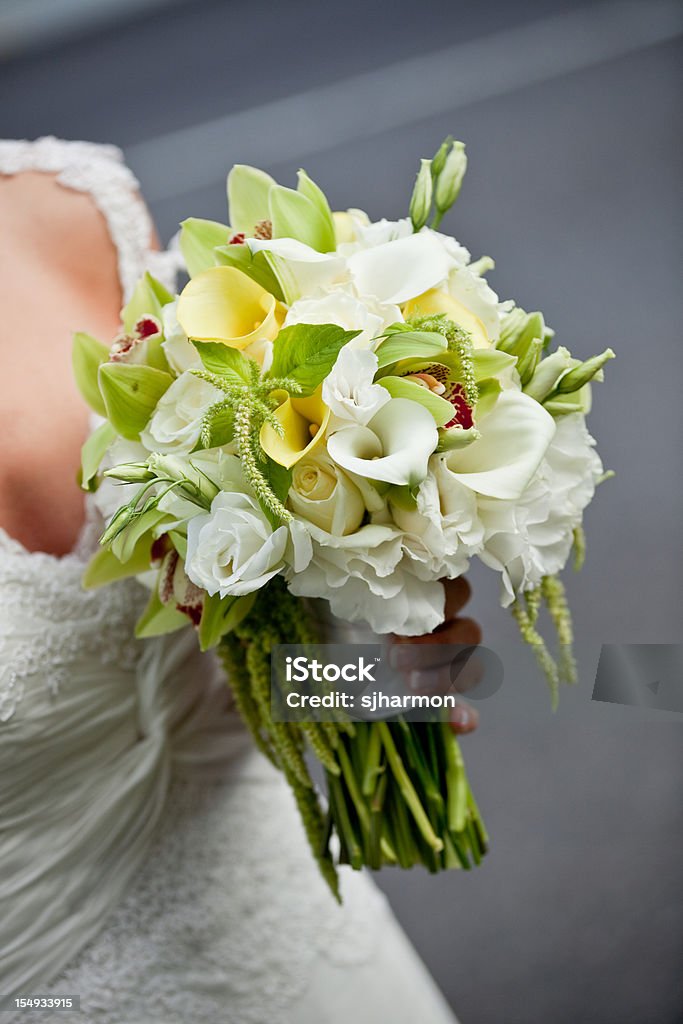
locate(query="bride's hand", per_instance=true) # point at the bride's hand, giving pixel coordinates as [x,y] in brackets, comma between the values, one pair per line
[427,662]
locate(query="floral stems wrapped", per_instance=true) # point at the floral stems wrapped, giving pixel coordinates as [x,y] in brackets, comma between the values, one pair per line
[397,792]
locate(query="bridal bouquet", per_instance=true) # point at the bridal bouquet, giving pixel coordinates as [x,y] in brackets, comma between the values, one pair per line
[340,409]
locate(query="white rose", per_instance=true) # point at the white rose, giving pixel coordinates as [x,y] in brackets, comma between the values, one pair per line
[532,537]
[176,422]
[349,391]
[323,495]
[232,550]
[365,579]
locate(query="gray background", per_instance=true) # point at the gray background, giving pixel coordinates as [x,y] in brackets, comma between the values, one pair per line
[569,112]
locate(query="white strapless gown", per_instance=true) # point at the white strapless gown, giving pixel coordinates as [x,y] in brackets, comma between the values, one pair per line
[151,862]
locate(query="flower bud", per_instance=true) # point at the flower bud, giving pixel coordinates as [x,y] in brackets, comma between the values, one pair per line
[440,156]
[546,374]
[518,329]
[131,473]
[584,372]
[449,180]
[528,362]
[194,484]
[421,199]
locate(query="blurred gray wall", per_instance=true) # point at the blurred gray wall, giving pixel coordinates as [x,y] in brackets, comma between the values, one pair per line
[571,116]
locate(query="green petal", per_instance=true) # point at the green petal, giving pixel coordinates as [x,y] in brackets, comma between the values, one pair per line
[248,190]
[293,215]
[87,356]
[198,239]
[92,453]
[130,394]
[159,619]
[399,387]
[148,299]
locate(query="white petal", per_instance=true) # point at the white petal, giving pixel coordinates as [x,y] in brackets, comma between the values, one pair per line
[300,269]
[394,447]
[514,439]
[401,269]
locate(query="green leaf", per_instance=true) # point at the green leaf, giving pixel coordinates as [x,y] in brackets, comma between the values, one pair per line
[198,239]
[279,478]
[307,352]
[159,619]
[104,567]
[399,387]
[130,394]
[148,299]
[409,345]
[220,615]
[92,453]
[248,191]
[257,266]
[87,356]
[293,215]
[224,361]
[307,187]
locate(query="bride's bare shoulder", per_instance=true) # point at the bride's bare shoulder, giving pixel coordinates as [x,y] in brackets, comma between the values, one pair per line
[59,269]
[58,236]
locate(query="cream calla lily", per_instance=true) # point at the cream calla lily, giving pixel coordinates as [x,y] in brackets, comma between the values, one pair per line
[394,447]
[514,438]
[401,269]
[223,304]
[304,421]
[300,269]
[439,301]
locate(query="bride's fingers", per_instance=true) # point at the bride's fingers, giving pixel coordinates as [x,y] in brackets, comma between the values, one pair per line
[454,631]
[457,595]
[463,719]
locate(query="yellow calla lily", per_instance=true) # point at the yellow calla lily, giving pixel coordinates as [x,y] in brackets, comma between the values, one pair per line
[304,421]
[223,304]
[438,301]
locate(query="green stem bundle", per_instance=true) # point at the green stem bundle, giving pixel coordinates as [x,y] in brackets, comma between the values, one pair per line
[397,792]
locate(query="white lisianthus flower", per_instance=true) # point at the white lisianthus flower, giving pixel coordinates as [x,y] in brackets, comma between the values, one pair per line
[364,579]
[176,422]
[346,310]
[179,350]
[322,494]
[532,537]
[394,447]
[349,391]
[444,531]
[232,550]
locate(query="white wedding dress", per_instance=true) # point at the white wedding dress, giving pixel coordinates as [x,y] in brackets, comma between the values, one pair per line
[151,862]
